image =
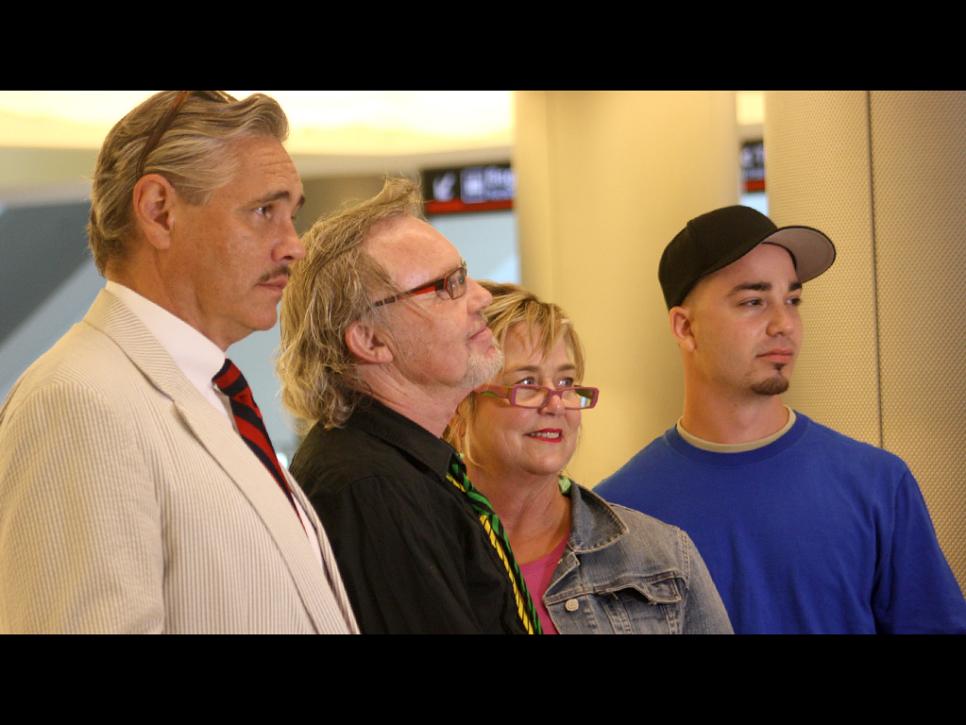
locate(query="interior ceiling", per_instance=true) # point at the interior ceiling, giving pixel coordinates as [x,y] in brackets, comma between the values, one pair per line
[49,139]
[322,122]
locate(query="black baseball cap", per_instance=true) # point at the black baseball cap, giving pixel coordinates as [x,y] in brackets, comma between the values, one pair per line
[714,240]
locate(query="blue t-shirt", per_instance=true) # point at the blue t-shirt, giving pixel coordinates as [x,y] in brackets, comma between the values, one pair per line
[815,532]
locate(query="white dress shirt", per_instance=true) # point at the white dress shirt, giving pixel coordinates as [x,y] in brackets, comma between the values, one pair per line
[200,360]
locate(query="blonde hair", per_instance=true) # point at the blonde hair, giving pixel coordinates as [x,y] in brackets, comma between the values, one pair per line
[194,154]
[329,290]
[544,323]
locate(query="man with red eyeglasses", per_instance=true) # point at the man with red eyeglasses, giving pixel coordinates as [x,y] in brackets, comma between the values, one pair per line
[382,336]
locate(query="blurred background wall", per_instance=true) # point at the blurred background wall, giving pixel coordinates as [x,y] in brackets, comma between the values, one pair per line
[603,180]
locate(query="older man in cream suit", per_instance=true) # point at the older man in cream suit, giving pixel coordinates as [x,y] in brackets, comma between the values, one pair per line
[139,491]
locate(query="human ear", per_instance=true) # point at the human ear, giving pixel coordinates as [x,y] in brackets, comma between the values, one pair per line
[153,205]
[367,344]
[682,328]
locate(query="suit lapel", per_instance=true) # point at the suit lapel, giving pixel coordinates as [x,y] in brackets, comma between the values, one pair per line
[215,433]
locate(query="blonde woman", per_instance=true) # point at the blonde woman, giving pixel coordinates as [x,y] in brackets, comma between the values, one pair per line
[590,567]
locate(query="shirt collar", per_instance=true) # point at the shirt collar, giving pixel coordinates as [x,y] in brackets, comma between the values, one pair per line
[400,432]
[194,354]
[706,445]
[594,524]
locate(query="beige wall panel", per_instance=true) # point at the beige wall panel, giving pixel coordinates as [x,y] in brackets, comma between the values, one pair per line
[919,173]
[883,173]
[604,181]
[817,160]
[31,169]
[536,226]
[327,194]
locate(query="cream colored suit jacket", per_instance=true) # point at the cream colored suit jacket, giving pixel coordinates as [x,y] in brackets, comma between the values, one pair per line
[129,504]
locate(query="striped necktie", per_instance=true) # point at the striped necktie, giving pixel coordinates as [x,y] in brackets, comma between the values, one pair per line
[248,420]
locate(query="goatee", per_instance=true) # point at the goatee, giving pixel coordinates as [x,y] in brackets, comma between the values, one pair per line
[772,386]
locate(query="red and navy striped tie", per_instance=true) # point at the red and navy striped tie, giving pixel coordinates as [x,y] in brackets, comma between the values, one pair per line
[248,420]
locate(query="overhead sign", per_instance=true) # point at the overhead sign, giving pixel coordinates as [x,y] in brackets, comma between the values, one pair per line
[468,189]
[753,166]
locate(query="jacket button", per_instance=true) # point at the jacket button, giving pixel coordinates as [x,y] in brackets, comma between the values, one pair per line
[572,605]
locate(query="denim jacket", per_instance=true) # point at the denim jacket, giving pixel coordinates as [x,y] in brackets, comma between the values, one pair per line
[624,572]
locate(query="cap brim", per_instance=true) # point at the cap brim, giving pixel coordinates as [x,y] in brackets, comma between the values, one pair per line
[813,251]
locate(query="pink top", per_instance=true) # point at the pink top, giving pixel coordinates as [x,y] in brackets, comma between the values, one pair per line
[537,574]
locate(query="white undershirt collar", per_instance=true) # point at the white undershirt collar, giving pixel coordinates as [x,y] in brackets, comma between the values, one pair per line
[194,354]
[736,447]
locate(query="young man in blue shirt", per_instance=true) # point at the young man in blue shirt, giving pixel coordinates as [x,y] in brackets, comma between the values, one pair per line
[803,529]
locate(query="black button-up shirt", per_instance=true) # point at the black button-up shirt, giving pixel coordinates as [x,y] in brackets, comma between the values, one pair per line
[411,550]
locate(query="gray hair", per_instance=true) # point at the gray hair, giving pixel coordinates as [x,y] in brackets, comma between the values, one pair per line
[329,290]
[194,154]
